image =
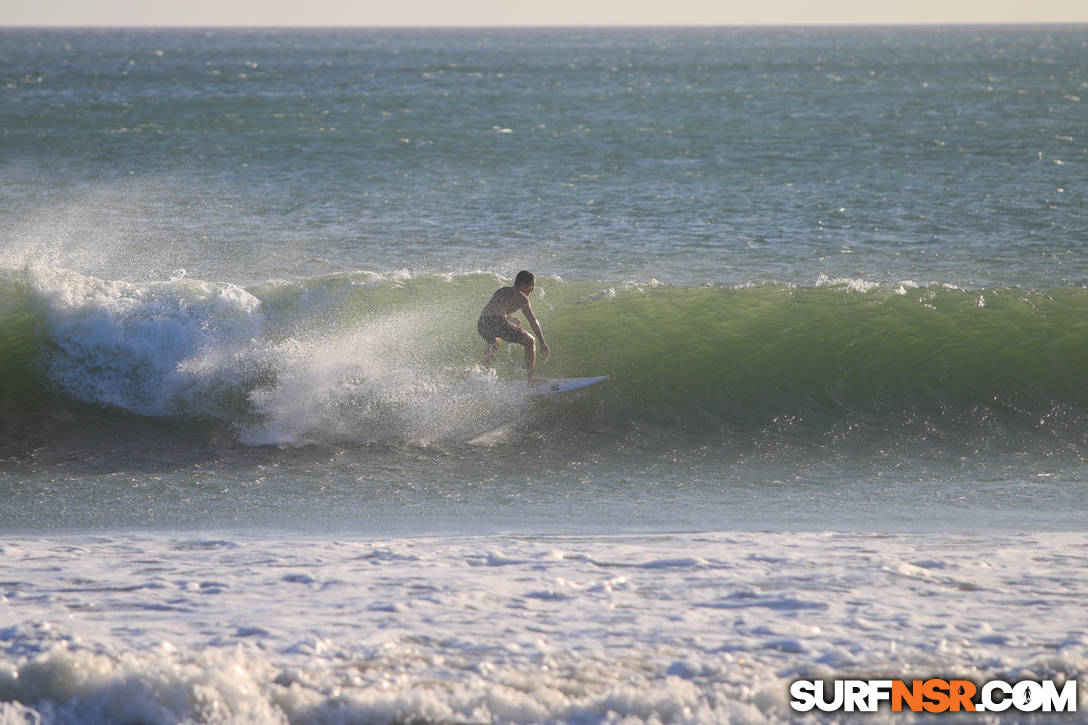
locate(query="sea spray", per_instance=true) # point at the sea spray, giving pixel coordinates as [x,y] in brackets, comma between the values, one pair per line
[377,381]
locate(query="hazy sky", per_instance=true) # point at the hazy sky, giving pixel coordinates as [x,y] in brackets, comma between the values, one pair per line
[542,12]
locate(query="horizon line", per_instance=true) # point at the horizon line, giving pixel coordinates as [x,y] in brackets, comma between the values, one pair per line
[542,26]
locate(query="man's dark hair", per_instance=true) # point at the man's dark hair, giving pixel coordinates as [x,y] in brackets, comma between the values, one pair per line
[524,278]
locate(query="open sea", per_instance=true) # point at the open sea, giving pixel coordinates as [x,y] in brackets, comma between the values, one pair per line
[249,472]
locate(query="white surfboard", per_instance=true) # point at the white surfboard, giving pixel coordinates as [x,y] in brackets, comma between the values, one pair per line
[547,386]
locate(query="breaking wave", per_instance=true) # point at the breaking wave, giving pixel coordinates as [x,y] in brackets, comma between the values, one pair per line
[363,357]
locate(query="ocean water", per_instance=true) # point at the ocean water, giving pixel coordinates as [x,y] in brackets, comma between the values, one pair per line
[249,471]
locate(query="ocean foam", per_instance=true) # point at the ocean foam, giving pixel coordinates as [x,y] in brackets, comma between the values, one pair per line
[704,628]
[144,348]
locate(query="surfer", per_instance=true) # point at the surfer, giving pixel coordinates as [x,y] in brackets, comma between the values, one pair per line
[495,324]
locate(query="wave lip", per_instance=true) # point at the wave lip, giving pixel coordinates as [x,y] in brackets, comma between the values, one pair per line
[142,348]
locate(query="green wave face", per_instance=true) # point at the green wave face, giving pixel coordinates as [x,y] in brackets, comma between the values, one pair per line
[789,345]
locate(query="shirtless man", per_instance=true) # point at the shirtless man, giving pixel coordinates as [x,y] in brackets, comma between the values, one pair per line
[495,324]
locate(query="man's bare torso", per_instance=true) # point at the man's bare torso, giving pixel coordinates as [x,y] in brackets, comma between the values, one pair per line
[505,301]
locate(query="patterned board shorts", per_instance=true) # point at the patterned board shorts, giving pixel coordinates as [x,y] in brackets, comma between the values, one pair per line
[492,327]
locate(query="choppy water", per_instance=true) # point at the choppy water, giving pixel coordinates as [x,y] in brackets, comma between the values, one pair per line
[947,155]
[836,277]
